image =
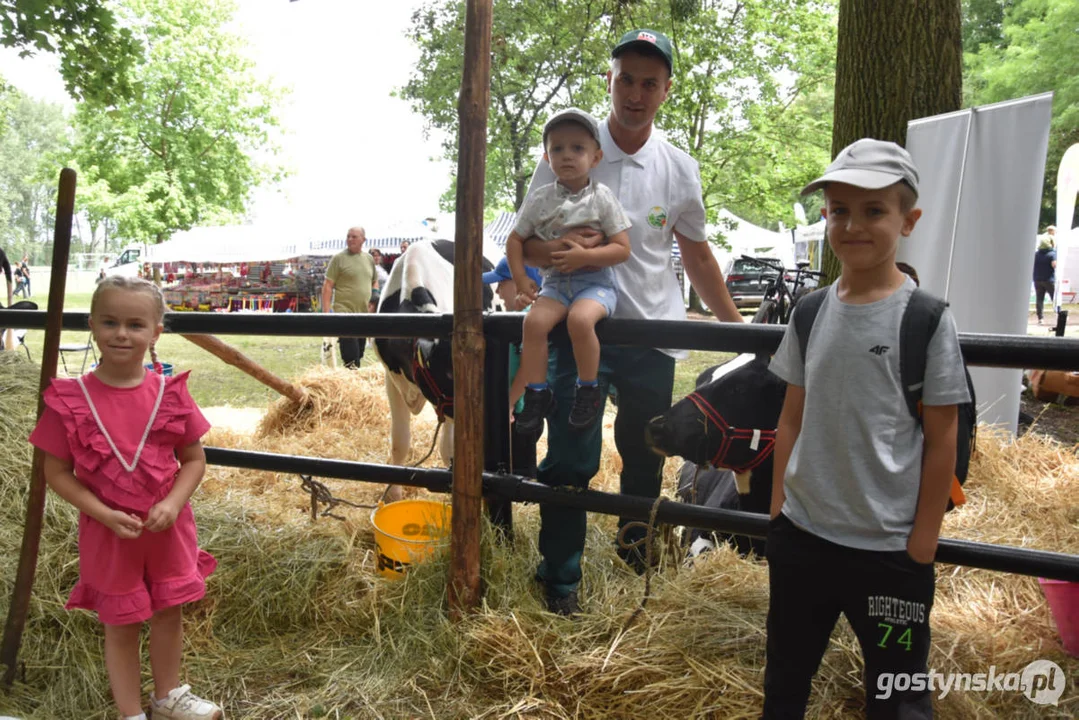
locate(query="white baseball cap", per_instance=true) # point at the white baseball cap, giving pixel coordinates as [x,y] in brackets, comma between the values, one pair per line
[870,164]
[572,115]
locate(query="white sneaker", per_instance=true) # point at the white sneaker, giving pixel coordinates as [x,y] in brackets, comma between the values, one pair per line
[182,704]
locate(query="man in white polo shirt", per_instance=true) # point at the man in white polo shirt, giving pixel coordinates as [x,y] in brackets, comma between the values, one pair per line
[659,187]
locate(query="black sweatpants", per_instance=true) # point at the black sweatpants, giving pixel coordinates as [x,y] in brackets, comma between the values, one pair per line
[351,350]
[1041,289]
[886,597]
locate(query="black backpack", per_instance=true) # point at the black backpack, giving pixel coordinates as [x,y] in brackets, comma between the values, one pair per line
[920,320]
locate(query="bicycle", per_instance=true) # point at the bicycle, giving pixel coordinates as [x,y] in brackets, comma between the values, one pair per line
[779,297]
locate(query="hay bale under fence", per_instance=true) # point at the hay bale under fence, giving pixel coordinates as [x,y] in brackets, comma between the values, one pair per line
[297,624]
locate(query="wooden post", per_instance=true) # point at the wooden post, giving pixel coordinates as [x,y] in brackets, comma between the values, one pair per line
[237,359]
[468,341]
[35,504]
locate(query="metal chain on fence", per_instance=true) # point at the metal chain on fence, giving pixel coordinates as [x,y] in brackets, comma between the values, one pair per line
[320,494]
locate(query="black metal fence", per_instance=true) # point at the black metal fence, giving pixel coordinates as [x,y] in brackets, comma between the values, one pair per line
[1008,351]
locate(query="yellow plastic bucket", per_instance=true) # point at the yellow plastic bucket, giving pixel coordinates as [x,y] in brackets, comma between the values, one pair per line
[406,532]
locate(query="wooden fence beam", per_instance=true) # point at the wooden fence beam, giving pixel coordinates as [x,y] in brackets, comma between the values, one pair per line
[468,341]
[237,359]
[35,503]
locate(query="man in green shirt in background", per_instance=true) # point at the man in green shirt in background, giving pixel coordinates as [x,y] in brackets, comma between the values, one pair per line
[350,278]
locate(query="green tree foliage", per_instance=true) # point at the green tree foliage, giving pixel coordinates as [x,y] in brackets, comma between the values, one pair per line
[1037,50]
[751,98]
[95,51]
[33,135]
[181,149]
[544,55]
[983,23]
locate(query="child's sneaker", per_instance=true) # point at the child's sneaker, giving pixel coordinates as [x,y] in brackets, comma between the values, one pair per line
[586,405]
[538,403]
[182,704]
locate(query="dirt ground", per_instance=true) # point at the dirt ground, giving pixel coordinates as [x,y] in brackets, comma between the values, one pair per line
[1060,422]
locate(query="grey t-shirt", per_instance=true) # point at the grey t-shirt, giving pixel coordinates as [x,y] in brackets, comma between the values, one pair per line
[549,211]
[855,469]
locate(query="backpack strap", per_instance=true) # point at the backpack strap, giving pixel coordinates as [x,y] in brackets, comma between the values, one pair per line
[805,313]
[920,321]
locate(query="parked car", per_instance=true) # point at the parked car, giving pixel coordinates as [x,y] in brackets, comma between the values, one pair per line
[129,262]
[746,281]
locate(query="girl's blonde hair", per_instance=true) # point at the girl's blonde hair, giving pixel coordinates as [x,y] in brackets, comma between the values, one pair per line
[134,284]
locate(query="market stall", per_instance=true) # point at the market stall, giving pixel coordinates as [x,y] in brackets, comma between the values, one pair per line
[247,268]
[235,269]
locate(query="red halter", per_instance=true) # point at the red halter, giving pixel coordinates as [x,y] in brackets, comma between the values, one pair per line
[763,441]
[423,377]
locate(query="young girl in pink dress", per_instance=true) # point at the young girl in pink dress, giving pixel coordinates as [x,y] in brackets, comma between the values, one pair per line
[122,445]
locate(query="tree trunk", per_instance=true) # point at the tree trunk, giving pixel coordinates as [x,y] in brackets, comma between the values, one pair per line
[896,61]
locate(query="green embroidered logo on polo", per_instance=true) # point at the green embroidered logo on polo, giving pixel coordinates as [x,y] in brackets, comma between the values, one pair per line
[657,217]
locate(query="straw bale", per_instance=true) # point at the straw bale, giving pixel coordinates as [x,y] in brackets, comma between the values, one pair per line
[296,622]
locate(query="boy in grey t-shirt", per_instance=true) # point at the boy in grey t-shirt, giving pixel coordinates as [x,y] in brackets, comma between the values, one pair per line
[860,489]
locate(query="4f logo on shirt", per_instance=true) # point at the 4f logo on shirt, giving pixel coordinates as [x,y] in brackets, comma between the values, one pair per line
[878,350]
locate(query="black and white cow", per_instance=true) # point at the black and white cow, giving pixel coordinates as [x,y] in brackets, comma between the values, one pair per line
[420,370]
[725,431]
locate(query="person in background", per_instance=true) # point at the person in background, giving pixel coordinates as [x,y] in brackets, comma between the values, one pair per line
[1045,263]
[20,282]
[383,276]
[5,265]
[522,444]
[25,266]
[350,280]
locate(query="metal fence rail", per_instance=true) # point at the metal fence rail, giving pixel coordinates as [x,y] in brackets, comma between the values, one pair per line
[978,349]
[1009,351]
[1022,561]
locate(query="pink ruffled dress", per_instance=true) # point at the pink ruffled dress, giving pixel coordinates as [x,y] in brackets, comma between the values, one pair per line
[127,581]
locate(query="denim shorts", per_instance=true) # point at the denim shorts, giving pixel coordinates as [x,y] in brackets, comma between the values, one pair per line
[567,289]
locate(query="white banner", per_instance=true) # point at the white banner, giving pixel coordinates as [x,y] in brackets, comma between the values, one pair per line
[980,191]
[1067,188]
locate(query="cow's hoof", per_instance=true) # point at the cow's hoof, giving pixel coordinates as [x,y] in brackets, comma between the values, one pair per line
[393,494]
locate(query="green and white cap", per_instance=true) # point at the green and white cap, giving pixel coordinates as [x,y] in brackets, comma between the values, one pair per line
[645,38]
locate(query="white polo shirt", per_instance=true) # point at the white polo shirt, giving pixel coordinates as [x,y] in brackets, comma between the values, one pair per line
[659,187]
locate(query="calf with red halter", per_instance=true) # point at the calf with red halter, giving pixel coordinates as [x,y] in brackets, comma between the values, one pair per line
[420,370]
[725,430]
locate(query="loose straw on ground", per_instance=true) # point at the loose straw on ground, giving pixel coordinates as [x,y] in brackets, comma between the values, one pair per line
[296,622]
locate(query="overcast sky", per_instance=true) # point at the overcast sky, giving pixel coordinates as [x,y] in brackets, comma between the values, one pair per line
[357,154]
